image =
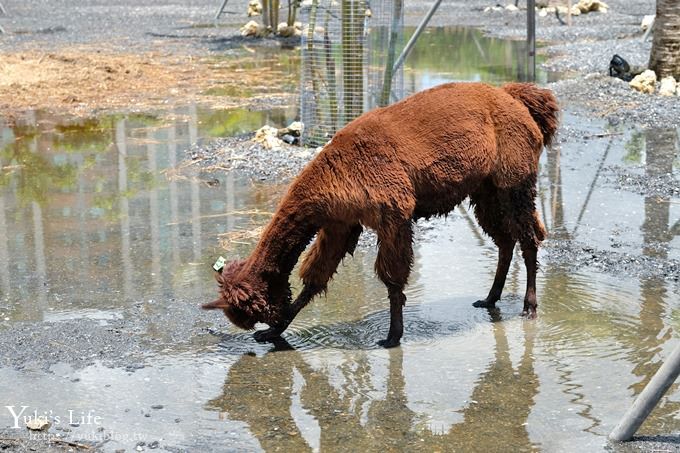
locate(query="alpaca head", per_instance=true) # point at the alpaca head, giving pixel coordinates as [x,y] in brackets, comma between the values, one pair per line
[246,297]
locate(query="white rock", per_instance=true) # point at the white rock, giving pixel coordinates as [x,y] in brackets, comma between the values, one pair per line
[252,28]
[283,29]
[543,12]
[668,86]
[296,127]
[267,136]
[647,22]
[254,8]
[511,7]
[587,6]
[38,424]
[645,82]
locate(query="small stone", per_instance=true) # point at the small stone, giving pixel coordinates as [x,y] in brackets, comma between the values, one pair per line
[668,86]
[157,406]
[38,424]
[512,8]
[153,445]
[645,82]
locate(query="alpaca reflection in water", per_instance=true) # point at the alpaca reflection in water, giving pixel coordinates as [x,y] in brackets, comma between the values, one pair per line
[260,391]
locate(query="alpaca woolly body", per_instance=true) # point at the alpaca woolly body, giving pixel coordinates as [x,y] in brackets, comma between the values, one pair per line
[417,158]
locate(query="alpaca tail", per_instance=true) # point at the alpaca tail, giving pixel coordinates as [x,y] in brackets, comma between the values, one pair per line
[542,106]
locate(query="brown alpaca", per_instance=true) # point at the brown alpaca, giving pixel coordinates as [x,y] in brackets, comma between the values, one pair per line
[417,158]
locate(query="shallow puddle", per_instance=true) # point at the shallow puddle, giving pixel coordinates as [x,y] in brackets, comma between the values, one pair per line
[96,228]
[450,54]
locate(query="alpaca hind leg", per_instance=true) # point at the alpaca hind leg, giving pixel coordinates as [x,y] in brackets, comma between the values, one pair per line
[530,302]
[529,231]
[535,234]
[332,243]
[393,267]
[491,209]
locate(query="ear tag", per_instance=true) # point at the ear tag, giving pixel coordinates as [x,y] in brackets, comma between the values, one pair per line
[219,264]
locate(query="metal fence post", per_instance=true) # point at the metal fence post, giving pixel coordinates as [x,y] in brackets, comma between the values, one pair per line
[648,398]
[531,40]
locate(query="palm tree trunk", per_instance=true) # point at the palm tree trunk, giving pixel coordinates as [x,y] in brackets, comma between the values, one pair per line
[665,56]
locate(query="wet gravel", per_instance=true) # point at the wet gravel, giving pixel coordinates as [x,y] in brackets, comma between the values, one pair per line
[574,256]
[82,342]
[246,157]
[24,441]
[664,186]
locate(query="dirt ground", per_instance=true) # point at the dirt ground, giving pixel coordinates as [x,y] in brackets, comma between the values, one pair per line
[84,80]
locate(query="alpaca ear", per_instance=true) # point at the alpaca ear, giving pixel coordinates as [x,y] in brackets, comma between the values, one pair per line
[219,304]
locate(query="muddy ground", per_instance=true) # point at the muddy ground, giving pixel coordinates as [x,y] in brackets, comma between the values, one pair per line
[127,56]
[85,81]
[132,55]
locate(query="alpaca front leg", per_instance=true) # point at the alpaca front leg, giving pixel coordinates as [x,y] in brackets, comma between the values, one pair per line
[397,302]
[270,334]
[393,266]
[274,332]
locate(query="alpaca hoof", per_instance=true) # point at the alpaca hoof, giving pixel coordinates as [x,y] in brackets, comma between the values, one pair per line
[389,343]
[484,304]
[529,313]
[267,335]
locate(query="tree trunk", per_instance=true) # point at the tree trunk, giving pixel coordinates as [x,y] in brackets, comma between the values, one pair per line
[665,57]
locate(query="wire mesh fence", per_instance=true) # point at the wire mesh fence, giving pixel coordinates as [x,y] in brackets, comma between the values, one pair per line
[348,51]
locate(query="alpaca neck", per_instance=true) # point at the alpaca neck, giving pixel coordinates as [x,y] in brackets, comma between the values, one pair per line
[283,241]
